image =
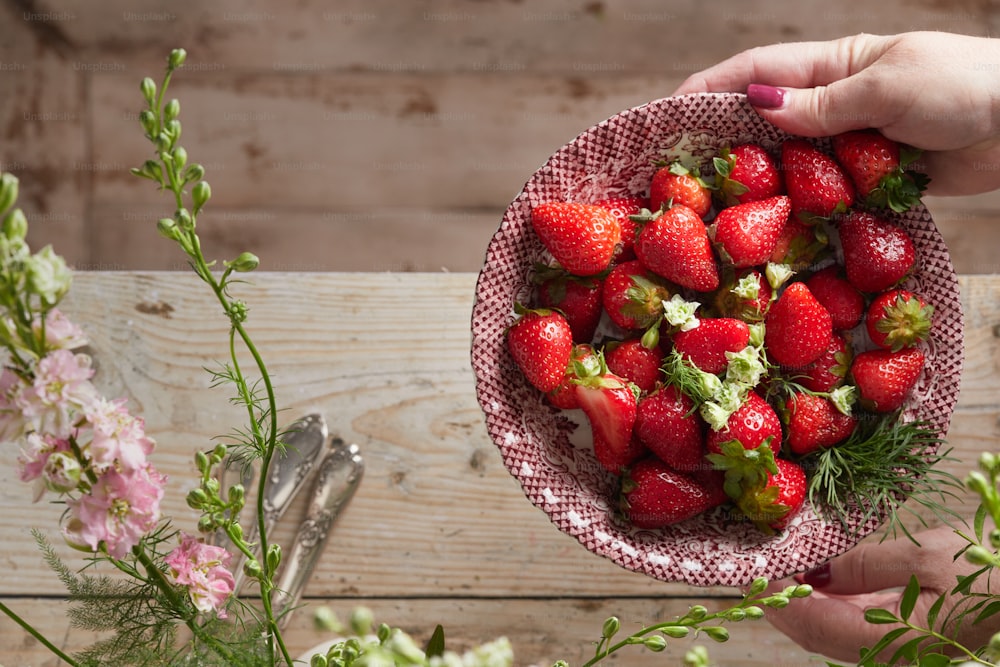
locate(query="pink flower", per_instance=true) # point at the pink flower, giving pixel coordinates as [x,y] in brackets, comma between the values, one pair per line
[60,390]
[12,423]
[120,508]
[61,333]
[118,437]
[35,456]
[203,569]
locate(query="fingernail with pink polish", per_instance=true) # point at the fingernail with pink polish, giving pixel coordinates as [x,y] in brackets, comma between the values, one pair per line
[765,97]
[819,577]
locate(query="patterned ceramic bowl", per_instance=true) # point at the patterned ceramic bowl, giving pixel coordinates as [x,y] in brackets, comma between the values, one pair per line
[548,451]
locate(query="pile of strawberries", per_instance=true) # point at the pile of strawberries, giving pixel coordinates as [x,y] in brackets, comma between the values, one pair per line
[724,326]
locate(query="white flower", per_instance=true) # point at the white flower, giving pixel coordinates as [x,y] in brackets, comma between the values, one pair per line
[778,274]
[747,288]
[47,275]
[681,313]
[844,397]
[745,367]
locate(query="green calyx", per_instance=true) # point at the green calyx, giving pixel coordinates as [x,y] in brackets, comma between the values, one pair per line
[747,473]
[905,322]
[901,189]
[729,189]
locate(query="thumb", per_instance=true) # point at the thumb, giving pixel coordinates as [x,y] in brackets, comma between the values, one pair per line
[820,111]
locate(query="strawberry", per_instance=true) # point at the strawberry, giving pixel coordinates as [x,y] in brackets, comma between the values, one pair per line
[583,363]
[844,302]
[877,166]
[898,318]
[816,184]
[746,173]
[631,360]
[577,298]
[754,423]
[790,483]
[609,402]
[884,378]
[748,233]
[675,183]
[654,496]
[583,238]
[713,481]
[800,244]
[706,345]
[797,328]
[668,424]
[745,295]
[624,208]
[814,422]
[540,342]
[878,254]
[633,296]
[829,370]
[674,244]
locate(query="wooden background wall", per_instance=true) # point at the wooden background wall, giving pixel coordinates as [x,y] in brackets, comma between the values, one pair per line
[327,125]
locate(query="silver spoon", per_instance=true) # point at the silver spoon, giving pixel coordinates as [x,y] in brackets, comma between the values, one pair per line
[338,477]
[304,441]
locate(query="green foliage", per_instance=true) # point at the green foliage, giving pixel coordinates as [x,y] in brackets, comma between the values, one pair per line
[884,463]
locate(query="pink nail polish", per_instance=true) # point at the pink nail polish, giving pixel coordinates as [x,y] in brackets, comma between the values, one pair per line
[765,97]
[819,577]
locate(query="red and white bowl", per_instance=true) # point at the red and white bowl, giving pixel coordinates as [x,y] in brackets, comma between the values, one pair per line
[548,451]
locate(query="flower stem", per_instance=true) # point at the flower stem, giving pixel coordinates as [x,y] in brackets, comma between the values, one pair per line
[37,635]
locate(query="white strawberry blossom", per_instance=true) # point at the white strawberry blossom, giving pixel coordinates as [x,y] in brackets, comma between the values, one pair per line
[777,275]
[844,397]
[681,313]
[747,287]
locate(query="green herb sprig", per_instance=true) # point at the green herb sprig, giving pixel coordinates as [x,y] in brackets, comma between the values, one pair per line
[884,462]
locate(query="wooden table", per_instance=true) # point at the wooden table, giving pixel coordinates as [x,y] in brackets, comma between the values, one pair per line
[438,532]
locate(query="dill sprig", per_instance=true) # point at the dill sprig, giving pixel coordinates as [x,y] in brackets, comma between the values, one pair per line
[882,464]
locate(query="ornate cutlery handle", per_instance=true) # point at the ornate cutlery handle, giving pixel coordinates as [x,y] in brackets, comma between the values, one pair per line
[338,477]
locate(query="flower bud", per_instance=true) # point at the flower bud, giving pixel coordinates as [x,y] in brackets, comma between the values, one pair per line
[184,219]
[318,660]
[200,194]
[173,130]
[196,498]
[147,119]
[697,656]
[172,110]
[207,524]
[655,643]
[676,631]
[212,486]
[47,275]
[716,633]
[237,531]
[201,462]
[251,568]
[177,58]
[978,555]
[273,558]
[697,612]
[148,88]
[362,620]
[754,613]
[15,225]
[8,191]
[62,472]
[236,496]
[219,453]
[757,587]
[777,601]
[325,620]
[402,646]
[976,482]
[800,591]
[246,262]
[168,229]
[988,461]
[180,157]
[611,627]
[735,615]
[995,538]
[195,172]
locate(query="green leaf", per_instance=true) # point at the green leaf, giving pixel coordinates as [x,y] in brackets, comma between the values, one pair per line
[932,613]
[910,595]
[935,660]
[880,616]
[907,651]
[435,645]
[870,655]
[979,522]
[991,609]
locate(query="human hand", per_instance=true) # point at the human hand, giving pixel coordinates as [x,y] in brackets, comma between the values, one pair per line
[935,91]
[831,621]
